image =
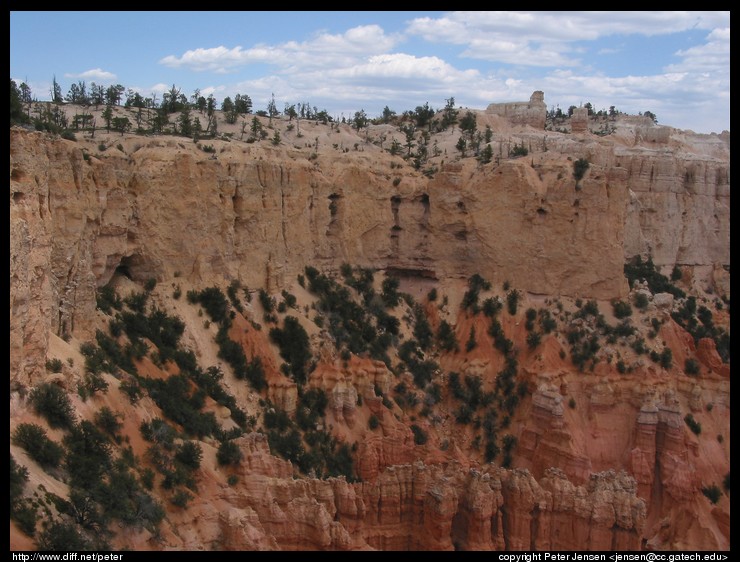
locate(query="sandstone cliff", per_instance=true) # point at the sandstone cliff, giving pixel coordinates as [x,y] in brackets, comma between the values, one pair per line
[260,215]
[603,458]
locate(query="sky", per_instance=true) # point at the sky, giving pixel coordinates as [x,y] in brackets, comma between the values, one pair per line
[674,64]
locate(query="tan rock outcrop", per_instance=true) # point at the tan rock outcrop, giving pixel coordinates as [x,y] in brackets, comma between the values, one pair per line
[165,209]
[579,120]
[532,113]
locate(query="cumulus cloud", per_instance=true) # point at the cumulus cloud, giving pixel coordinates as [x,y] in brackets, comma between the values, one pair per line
[401,65]
[217,59]
[93,74]
[322,50]
[714,55]
[547,38]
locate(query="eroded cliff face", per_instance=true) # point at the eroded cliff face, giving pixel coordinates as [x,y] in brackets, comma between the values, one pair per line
[261,215]
[619,471]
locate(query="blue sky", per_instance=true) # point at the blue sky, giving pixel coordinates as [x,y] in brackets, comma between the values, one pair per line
[675,64]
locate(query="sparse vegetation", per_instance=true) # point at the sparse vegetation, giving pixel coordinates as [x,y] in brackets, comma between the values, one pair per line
[636,269]
[691,367]
[712,492]
[420,436]
[39,447]
[580,167]
[54,365]
[694,425]
[641,301]
[228,454]
[622,309]
[51,402]
[294,346]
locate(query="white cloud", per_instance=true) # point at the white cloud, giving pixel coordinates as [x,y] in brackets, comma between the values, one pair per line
[402,65]
[545,38]
[94,74]
[712,56]
[324,50]
[217,59]
[159,88]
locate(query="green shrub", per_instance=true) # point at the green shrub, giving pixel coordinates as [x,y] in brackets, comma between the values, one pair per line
[18,479]
[476,284]
[39,447]
[694,425]
[518,150]
[641,301]
[621,309]
[137,301]
[446,339]
[471,343]
[213,300]
[491,451]
[294,346]
[181,403]
[676,274]
[713,493]
[420,436]
[464,414]
[108,422]
[233,354]
[93,383]
[579,168]
[373,422]
[54,365]
[289,299]
[130,387]
[147,478]
[691,367]
[107,299]
[389,293]
[88,455]
[24,514]
[63,536]
[533,340]
[666,358]
[509,442]
[422,330]
[51,402]
[267,302]
[181,498]
[636,269]
[491,307]
[232,292]
[512,301]
[228,454]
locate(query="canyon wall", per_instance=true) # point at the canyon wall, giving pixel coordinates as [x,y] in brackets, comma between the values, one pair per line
[620,471]
[166,209]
